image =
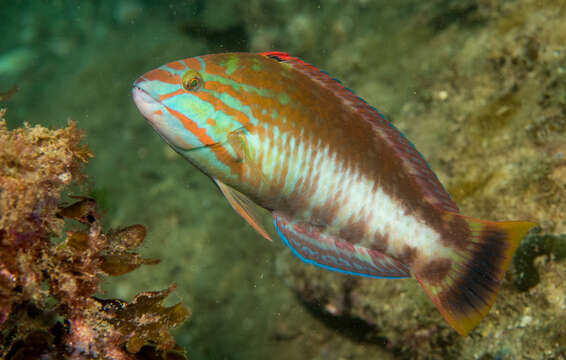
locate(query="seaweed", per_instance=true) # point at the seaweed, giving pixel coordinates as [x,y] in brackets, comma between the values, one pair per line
[47,286]
[534,245]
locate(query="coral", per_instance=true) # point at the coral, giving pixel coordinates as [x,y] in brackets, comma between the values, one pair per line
[43,280]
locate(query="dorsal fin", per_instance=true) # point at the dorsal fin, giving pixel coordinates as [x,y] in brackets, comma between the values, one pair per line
[412,160]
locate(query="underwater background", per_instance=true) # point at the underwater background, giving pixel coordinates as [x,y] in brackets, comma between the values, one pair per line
[479,86]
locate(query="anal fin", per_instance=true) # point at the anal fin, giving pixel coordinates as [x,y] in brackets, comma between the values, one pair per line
[243,205]
[330,253]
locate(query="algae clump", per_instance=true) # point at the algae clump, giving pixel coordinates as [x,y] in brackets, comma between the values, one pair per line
[47,305]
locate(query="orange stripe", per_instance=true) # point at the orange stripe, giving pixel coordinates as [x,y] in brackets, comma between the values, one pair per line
[213,68]
[219,105]
[162,75]
[177,65]
[193,64]
[171,94]
[220,88]
[192,126]
[220,151]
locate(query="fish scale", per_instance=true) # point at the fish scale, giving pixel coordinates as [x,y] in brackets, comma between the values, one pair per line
[347,191]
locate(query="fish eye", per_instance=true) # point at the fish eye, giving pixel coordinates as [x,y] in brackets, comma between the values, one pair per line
[191,80]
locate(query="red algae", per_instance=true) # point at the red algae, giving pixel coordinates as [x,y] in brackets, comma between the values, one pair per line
[47,303]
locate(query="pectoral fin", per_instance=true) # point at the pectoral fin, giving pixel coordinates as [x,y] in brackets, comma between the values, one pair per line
[237,139]
[244,206]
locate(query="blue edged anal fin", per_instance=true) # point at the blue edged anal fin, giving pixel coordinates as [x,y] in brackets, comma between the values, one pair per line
[249,210]
[331,253]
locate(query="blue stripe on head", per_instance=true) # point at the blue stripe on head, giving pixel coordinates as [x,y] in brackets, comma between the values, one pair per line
[202,63]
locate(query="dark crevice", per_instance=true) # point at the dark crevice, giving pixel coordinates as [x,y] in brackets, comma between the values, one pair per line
[232,39]
[352,327]
[463,13]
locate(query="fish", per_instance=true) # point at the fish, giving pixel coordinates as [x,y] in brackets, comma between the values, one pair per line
[345,189]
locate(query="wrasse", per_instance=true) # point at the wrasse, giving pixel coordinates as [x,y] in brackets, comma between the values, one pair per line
[347,191]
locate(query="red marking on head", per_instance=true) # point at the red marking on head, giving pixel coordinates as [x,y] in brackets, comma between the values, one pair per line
[256,101]
[220,88]
[163,76]
[219,151]
[193,127]
[215,69]
[211,122]
[177,65]
[193,64]
[171,94]
[220,105]
[158,112]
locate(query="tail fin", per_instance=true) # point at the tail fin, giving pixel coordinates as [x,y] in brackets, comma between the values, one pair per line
[467,292]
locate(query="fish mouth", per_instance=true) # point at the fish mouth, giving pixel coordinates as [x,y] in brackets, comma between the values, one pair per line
[148,106]
[156,114]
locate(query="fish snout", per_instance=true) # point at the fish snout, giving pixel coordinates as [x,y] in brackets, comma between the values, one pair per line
[166,125]
[149,107]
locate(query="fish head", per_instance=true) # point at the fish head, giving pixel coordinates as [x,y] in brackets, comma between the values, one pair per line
[187,103]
